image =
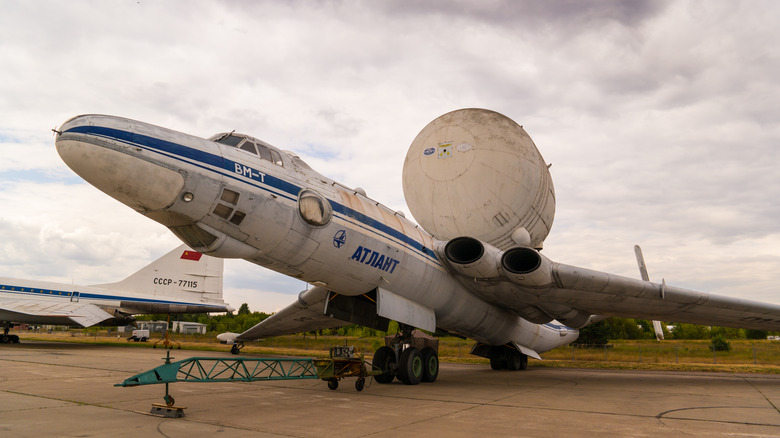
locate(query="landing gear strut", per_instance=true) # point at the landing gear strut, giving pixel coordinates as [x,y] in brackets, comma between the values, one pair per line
[236,348]
[407,357]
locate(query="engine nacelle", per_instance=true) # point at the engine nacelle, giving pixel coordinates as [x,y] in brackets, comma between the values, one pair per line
[471,257]
[475,172]
[526,267]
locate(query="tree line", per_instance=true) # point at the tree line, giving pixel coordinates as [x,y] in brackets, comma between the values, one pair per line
[598,333]
[628,328]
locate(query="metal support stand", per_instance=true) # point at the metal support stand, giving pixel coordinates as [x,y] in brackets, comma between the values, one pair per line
[168,409]
[216,369]
[167,341]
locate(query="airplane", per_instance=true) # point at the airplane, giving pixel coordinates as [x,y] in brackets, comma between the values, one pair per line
[181,281]
[473,267]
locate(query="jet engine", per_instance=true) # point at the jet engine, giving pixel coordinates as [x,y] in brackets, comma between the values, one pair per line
[474,172]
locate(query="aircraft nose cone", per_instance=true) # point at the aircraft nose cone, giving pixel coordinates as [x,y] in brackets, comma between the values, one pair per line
[100,149]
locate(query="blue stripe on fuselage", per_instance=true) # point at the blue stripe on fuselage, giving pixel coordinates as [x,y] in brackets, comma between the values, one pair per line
[200,158]
[559,327]
[35,291]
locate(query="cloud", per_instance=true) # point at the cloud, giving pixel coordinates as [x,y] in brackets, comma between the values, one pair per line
[660,118]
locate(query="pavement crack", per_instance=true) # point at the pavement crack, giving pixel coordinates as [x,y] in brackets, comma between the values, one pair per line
[762,394]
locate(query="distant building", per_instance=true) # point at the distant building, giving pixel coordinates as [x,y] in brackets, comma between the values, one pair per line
[153,326]
[189,328]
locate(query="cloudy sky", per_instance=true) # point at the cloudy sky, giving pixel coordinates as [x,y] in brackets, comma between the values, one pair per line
[661,120]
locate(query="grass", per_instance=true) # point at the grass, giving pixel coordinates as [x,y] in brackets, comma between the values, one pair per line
[746,356]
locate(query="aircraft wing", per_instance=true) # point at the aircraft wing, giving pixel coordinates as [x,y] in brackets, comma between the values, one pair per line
[538,289]
[605,294]
[306,314]
[36,311]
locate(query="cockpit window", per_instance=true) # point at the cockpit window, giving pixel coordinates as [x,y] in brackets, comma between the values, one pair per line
[230,140]
[276,158]
[249,144]
[264,152]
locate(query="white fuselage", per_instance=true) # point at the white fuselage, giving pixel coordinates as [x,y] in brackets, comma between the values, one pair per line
[226,202]
[42,300]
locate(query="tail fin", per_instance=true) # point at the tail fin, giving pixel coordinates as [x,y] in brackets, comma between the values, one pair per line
[180,275]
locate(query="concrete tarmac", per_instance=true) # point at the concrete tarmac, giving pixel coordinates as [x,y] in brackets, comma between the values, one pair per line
[60,389]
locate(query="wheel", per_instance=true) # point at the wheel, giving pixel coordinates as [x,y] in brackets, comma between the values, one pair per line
[523,361]
[410,368]
[360,383]
[496,361]
[430,364]
[4,339]
[333,384]
[384,359]
[15,339]
[234,349]
[513,360]
[169,401]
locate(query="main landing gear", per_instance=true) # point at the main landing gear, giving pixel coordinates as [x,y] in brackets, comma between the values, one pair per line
[410,356]
[507,358]
[5,338]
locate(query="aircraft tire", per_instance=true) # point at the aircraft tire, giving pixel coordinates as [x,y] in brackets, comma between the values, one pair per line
[333,384]
[513,360]
[360,383]
[496,361]
[384,359]
[410,370]
[430,364]
[523,361]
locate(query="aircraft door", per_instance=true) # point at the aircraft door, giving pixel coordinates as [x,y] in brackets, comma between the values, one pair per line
[74,296]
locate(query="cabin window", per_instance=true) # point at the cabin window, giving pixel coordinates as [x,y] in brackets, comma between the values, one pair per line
[314,208]
[223,211]
[237,218]
[229,196]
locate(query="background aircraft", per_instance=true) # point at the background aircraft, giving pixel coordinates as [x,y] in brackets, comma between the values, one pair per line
[181,281]
[473,179]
